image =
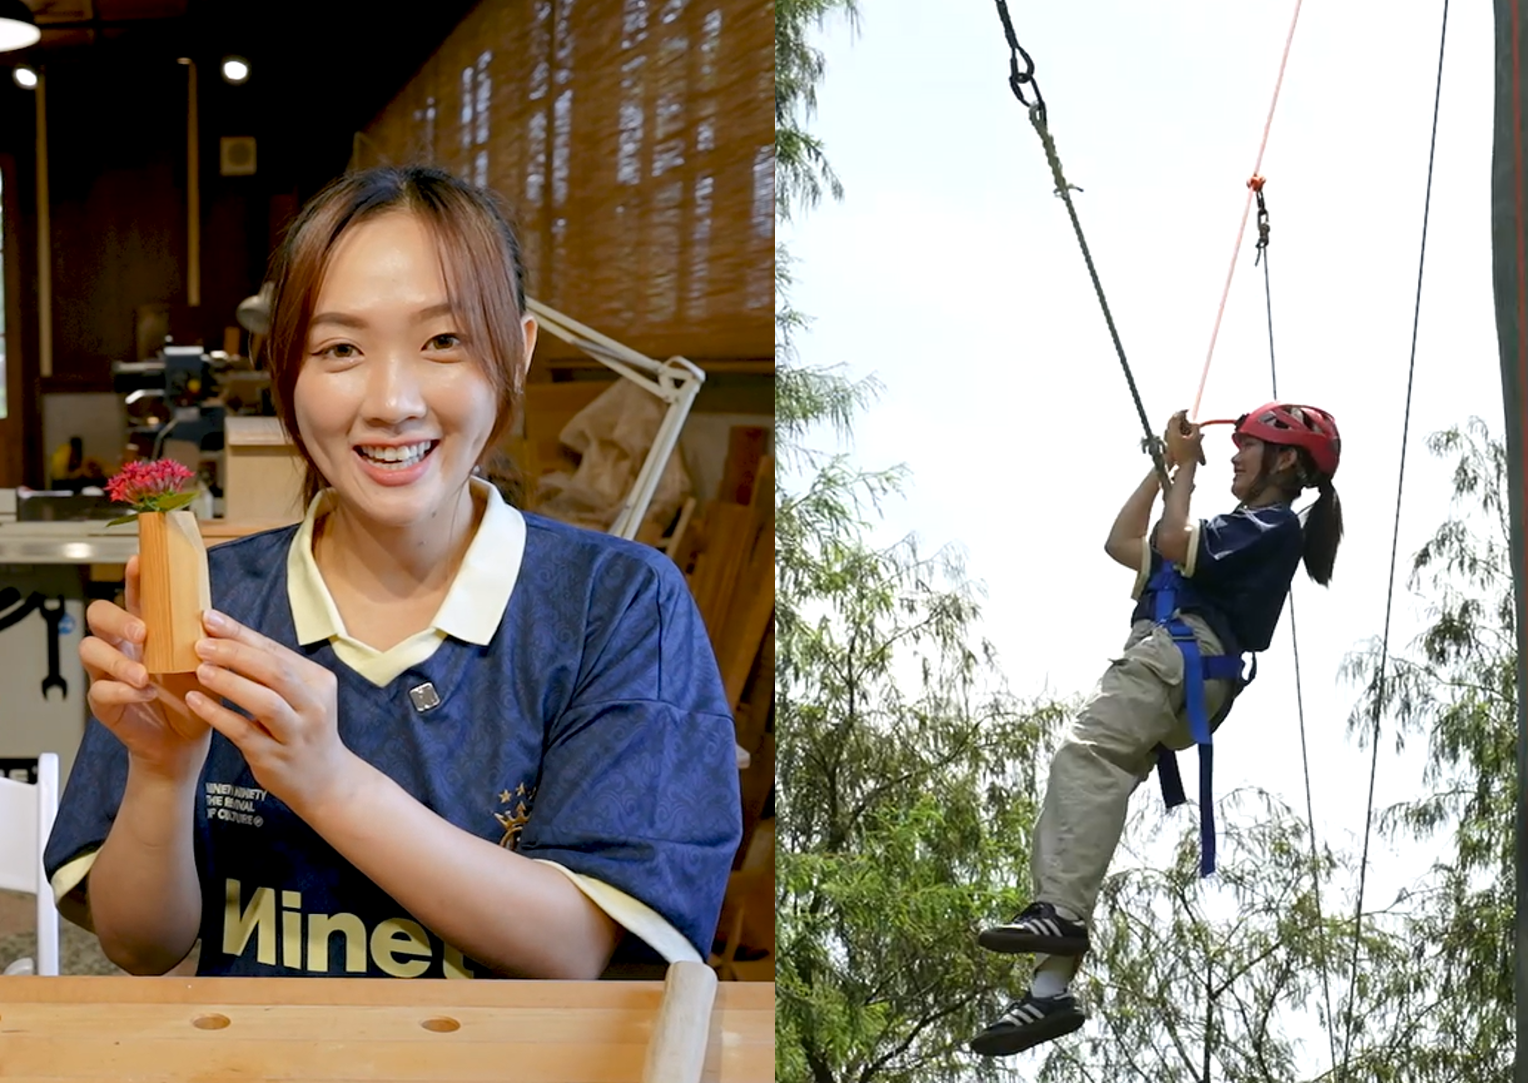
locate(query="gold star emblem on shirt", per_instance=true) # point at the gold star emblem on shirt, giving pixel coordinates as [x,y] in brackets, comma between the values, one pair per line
[513,823]
[512,826]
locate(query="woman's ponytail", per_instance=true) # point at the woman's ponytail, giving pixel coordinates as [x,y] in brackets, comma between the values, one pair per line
[1323,533]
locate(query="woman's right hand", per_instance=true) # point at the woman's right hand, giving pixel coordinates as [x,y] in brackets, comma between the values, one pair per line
[1182,441]
[149,717]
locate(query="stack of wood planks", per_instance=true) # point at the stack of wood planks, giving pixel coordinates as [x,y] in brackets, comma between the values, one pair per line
[728,551]
[727,548]
[731,559]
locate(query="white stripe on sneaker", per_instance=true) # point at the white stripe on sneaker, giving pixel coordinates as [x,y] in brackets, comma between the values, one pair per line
[1023,1013]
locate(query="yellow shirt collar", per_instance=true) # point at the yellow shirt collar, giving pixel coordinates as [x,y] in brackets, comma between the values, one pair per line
[475,603]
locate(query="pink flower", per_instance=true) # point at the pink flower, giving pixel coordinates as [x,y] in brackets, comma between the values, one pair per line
[150,486]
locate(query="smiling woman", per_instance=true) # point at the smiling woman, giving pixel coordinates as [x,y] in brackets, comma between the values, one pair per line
[442,737]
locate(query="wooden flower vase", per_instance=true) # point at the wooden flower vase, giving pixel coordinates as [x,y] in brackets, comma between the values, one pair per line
[173,589]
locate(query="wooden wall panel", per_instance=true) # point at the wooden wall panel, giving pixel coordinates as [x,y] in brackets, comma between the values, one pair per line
[634,141]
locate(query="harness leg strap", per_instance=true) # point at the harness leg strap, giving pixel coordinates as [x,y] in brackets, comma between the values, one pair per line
[1199,728]
[1216,668]
[1167,774]
[1196,670]
[1206,811]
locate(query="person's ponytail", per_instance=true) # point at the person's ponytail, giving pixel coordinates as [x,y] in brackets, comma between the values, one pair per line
[1323,533]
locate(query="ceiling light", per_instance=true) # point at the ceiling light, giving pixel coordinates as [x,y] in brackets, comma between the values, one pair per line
[235,69]
[25,77]
[17,27]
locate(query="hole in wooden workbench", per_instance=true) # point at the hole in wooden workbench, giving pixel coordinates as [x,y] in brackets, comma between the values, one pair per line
[211,1021]
[441,1025]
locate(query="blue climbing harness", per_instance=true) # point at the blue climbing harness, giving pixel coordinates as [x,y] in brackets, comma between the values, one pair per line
[1196,670]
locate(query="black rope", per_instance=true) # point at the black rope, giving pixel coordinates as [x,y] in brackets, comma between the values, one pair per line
[1384,656]
[1018,79]
[1263,229]
[1268,294]
[1294,637]
[1310,819]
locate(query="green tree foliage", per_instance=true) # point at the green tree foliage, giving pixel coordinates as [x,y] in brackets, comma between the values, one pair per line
[805,397]
[1457,690]
[904,819]
[801,165]
[907,781]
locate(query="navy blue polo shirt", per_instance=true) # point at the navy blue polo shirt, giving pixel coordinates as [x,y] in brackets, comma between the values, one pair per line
[583,724]
[1237,575]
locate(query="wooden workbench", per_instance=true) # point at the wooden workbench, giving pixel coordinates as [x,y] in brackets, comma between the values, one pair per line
[169,1030]
[96,543]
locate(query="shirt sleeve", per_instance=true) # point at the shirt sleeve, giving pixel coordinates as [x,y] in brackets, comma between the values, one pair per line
[639,788]
[86,810]
[1228,544]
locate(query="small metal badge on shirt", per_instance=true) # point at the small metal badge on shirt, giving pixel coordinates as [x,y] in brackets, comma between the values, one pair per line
[424,697]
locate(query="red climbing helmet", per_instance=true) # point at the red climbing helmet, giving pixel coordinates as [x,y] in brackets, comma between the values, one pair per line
[1289,425]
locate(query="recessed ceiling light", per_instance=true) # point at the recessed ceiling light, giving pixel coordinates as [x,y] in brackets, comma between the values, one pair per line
[235,69]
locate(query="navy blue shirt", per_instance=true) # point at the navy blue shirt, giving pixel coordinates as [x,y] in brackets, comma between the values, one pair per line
[592,731]
[1243,566]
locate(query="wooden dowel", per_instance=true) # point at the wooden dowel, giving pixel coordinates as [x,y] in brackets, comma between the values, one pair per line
[677,1051]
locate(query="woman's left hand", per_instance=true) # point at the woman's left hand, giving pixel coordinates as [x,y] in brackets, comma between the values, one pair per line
[292,741]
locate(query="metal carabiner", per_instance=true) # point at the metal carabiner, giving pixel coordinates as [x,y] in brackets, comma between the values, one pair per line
[1017,77]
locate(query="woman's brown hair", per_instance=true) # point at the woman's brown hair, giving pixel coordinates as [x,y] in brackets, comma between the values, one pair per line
[480,261]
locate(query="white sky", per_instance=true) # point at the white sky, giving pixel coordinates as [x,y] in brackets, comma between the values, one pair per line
[951,272]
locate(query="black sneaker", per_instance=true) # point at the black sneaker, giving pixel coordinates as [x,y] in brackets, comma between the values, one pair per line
[1038,929]
[1028,1022]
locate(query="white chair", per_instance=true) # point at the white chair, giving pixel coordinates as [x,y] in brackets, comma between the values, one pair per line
[26,819]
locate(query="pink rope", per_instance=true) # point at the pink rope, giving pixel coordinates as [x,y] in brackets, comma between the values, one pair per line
[1257,171]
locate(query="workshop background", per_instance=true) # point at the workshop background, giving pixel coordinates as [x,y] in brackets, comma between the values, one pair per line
[153,151]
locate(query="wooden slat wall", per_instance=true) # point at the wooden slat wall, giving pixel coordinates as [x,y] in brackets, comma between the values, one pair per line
[634,140]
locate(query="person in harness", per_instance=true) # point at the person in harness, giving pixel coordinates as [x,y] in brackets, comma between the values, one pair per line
[1206,592]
